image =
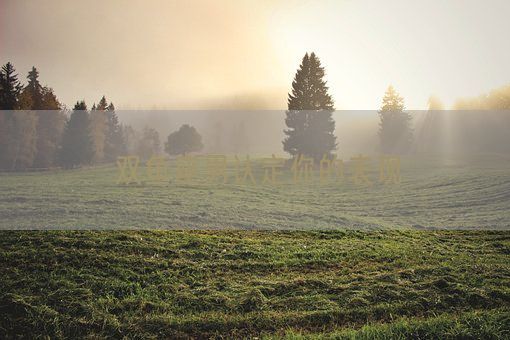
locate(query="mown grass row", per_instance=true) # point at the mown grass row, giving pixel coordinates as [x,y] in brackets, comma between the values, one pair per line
[493,324]
[462,195]
[233,283]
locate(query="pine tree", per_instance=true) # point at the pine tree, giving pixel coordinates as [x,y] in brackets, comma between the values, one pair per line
[35,90]
[98,128]
[50,121]
[3,137]
[115,144]
[17,142]
[103,104]
[21,146]
[10,88]
[21,135]
[3,126]
[77,144]
[395,131]
[309,116]
[54,125]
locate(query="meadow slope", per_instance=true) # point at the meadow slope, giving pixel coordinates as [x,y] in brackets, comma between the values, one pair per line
[267,261]
[459,194]
[148,284]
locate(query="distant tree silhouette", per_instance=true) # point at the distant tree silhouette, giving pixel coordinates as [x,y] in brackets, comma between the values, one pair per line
[19,151]
[148,144]
[435,104]
[430,136]
[115,142]
[497,99]
[103,104]
[9,92]
[34,90]
[219,135]
[395,131]
[98,128]
[130,139]
[490,134]
[240,140]
[77,143]
[185,140]
[3,138]
[309,116]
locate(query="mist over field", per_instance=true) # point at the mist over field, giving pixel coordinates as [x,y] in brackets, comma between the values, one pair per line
[254,169]
[443,133]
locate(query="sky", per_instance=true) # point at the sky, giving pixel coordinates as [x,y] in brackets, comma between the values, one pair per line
[198,54]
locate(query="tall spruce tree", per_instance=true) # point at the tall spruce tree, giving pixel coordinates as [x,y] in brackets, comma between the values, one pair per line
[98,128]
[21,140]
[4,117]
[395,131]
[10,88]
[115,144]
[309,116]
[17,140]
[3,138]
[77,143]
[34,89]
[50,123]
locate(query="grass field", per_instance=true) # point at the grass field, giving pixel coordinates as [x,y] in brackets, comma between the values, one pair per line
[392,279]
[460,194]
[250,283]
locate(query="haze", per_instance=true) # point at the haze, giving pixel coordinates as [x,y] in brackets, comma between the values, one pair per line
[243,54]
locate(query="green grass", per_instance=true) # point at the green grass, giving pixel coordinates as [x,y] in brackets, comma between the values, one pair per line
[322,280]
[245,283]
[433,194]
[491,324]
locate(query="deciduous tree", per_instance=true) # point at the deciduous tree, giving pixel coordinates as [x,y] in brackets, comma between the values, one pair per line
[185,140]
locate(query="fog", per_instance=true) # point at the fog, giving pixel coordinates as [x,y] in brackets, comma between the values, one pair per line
[197,54]
[443,133]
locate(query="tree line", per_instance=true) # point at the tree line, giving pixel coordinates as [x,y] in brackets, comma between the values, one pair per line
[37,131]
[42,135]
[311,127]
[45,134]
